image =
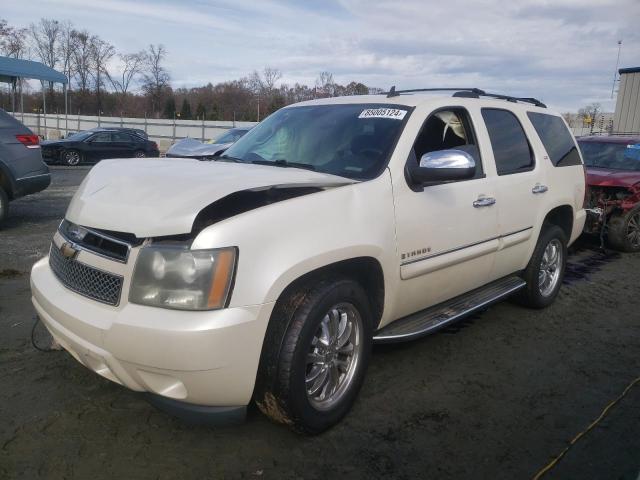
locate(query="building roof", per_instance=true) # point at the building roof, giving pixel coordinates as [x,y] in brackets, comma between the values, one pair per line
[18,68]
[629,70]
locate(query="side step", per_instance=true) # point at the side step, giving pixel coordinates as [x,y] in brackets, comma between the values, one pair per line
[433,318]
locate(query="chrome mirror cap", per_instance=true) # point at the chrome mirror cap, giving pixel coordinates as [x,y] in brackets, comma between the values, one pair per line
[458,159]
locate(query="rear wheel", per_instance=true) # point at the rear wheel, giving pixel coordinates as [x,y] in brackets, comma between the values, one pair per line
[139,154]
[4,205]
[315,355]
[546,268]
[71,157]
[624,231]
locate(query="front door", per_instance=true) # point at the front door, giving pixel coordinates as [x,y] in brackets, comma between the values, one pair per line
[446,233]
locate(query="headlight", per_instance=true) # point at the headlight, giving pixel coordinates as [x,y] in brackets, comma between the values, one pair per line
[175,277]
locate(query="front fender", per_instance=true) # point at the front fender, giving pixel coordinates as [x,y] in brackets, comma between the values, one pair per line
[281,242]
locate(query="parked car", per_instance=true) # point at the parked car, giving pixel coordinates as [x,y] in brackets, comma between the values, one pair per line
[333,224]
[135,131]
[97,144]
[613,177]
[192,148]
[22,170]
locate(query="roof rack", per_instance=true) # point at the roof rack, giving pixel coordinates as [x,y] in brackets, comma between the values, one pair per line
[467,93]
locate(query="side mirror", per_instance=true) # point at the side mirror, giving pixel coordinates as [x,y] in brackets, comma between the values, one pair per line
[443,166]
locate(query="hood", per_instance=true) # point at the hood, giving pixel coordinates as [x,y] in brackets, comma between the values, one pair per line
[605,177]
[159,197]
[190,147]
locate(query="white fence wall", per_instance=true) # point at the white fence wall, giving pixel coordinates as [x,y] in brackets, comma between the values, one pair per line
[165,132]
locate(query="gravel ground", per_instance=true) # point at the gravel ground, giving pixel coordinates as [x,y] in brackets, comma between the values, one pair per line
[497,396]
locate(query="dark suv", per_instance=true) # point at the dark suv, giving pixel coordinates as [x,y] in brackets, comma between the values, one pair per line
[22,170]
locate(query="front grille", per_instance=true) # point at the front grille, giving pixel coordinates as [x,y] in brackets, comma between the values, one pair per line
[113,245]
[88,281]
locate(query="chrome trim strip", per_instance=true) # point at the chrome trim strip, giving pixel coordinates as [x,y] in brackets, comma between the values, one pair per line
[77,246]
[416,334]
[415,260]
[34,176]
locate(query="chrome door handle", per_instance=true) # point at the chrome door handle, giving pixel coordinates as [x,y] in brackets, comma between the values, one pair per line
[538,188]
[484,202]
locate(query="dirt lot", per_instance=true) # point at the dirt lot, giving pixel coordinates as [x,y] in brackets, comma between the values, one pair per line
[495,397]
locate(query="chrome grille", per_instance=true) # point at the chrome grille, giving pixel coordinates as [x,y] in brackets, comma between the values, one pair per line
[88,281]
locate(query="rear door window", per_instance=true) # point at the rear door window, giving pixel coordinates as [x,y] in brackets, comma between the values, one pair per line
[511,148]
[556,139]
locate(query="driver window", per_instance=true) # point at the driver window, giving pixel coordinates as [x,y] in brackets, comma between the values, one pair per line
[447,129]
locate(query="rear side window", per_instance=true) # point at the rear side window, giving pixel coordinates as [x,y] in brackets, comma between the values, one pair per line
[121,137]
[556,139]
[511,148]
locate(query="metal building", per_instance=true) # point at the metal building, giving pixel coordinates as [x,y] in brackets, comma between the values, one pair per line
[627,115]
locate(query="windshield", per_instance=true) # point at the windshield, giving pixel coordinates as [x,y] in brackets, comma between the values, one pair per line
[79,135]
[229,137]
[349,140]
[616,156]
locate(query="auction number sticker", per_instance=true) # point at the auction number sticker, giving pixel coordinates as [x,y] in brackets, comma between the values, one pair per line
[393,113]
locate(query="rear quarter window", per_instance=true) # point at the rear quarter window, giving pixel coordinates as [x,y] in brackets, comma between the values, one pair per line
[555,137]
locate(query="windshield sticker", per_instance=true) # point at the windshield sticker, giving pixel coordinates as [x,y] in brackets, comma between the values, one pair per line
[392,113]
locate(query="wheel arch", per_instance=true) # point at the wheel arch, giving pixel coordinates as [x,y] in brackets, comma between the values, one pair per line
[561,216]
[366,270]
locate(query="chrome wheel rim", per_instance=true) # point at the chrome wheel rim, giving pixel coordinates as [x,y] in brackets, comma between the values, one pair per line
[633,230]
[334,356]
[140,154]
[72,158]
[550,267]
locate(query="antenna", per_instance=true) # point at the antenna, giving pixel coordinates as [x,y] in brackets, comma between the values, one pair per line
[615,73]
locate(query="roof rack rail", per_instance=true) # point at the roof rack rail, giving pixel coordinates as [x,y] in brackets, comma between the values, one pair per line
[467,93]
[394,93]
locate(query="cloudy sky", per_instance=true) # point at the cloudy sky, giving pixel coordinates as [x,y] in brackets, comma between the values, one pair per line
[562,51]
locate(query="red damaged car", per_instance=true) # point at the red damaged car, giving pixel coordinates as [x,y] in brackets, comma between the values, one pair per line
[613,177]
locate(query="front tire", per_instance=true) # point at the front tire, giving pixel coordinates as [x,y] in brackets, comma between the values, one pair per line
[315,355]
[71,157]
[624,231]
[545,271]
[4,205]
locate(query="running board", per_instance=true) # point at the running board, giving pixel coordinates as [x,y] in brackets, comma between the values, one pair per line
[433,318]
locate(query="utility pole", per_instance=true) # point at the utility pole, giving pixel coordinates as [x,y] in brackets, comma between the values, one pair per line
[615,73]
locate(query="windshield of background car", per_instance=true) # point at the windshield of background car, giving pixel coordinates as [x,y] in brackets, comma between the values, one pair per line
[616,156]
[79,136]
[349,140]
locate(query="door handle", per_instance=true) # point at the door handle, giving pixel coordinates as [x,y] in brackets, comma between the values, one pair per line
[484,202]
[539,188]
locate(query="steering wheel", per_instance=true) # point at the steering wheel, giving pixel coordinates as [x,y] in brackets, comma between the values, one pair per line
[370,152]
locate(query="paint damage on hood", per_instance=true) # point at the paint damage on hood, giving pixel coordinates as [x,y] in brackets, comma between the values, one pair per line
[164,197]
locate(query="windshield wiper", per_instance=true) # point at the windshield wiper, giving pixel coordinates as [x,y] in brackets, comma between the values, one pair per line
[284,163]
[227,158]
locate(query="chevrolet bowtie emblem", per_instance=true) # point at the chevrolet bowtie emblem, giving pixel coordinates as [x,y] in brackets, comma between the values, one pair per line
[67,250]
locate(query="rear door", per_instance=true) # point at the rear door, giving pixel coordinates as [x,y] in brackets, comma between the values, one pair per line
[520,187]
[123,145]
[100,146]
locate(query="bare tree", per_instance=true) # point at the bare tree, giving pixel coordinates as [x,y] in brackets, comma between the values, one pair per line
[271,76]
[81,58]
[44,36]
[325,86]
[12,40]
[101,53]
[156,78]
[132,64]
[65,48]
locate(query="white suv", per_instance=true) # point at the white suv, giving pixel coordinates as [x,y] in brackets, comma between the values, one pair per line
[267,273]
